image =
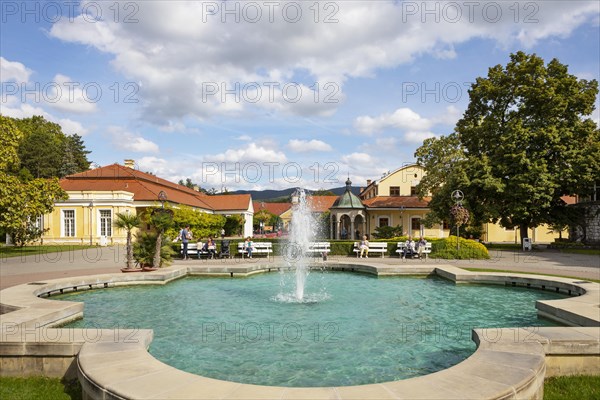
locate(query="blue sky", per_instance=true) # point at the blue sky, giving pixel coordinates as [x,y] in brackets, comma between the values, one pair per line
[225,93]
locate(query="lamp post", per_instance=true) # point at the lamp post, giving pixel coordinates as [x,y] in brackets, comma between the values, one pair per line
[91,206]
[458,197]
[162,197]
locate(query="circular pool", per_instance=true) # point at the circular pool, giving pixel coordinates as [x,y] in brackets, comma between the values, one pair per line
[351,329]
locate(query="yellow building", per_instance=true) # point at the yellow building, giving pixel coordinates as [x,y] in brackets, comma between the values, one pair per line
[96,196]
[392,201]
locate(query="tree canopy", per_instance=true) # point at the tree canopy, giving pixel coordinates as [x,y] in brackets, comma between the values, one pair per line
[21,202]
[524,141]
[45,151]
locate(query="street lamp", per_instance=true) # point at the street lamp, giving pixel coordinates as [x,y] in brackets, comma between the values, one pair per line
[162,197]
[458,197]
[91,206]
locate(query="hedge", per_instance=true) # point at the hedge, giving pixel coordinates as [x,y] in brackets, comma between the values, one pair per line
[444,248]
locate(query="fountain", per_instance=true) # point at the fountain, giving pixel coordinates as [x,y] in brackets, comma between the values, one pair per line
[302,234]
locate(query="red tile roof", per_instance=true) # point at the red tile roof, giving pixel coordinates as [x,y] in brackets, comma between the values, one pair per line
[146,187]
[229,202]
[321,203]
[397,202]
[273,208]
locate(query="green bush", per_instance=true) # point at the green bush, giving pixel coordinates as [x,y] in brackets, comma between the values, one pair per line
[468,249]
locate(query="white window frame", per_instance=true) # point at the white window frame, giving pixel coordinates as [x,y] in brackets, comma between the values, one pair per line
[99,222]
[63,219]
[380,217]
[38,222]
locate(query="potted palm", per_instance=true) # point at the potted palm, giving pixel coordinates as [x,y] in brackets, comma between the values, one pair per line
[144,251]
[128,222]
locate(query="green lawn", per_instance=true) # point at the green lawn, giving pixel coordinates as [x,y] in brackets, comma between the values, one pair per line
[11,251]
[572,387]
[527,273]
[559,388]
[38,388]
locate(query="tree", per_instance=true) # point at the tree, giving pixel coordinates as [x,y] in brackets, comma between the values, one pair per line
[524,141]
[323,192]
[234,224]
[22,202]
[128,222]
[262,216]
[161,219]
[46,152]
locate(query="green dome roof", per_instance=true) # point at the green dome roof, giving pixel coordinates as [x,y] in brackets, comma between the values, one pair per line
[348,199]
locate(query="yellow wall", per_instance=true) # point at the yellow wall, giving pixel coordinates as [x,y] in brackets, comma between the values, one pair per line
[396,217]
[404,178]
[79,202]
[540,234]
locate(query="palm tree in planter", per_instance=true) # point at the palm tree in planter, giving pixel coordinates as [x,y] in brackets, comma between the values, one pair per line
[144,249]
[128,222]
[161,219]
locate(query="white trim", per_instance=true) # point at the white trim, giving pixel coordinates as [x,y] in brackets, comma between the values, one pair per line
[99,220]
[62,222]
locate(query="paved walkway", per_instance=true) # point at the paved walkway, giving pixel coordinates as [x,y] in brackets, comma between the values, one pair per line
[100,260]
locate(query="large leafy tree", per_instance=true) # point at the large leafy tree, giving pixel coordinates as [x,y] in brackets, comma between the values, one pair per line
[46,152]
[524,141]
[22,201]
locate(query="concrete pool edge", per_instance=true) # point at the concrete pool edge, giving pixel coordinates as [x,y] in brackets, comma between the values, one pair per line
[29,345]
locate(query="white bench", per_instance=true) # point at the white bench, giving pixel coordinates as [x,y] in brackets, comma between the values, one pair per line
[374,247]
[402,246]
[197,249]
[257,248]
[319,249]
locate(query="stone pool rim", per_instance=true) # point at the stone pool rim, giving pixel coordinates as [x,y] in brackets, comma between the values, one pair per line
[117,364]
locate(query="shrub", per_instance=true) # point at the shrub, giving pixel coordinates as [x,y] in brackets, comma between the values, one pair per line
[469,249]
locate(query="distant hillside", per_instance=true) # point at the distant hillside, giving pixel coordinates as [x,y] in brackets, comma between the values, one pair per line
[279,194]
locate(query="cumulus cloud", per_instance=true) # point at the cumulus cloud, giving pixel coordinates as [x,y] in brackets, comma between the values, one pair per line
[184,56]
[13,71]
[128,141]
[402,118]
[67,95]
[308,146]
[249,153]
[24,110]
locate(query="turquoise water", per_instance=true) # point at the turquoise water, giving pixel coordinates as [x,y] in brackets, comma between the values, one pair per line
[354,329]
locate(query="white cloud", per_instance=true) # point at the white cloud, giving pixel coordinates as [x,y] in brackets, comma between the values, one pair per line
[65,94]
[24,110]
[250,153]
[234,53]
[417,137]
[128,141]
[13,71]
[402,118]
[308,146]
[449,117]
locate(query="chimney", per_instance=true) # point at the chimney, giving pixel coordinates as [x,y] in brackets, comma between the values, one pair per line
[196,188]
[368,182]
[130,163]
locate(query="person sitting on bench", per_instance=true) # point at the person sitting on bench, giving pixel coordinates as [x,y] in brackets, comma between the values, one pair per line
[409,247]
[248,246]
[364,247]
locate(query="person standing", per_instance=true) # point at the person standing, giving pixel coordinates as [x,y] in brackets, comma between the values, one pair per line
[185,235]
[222,233]
[421,245]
